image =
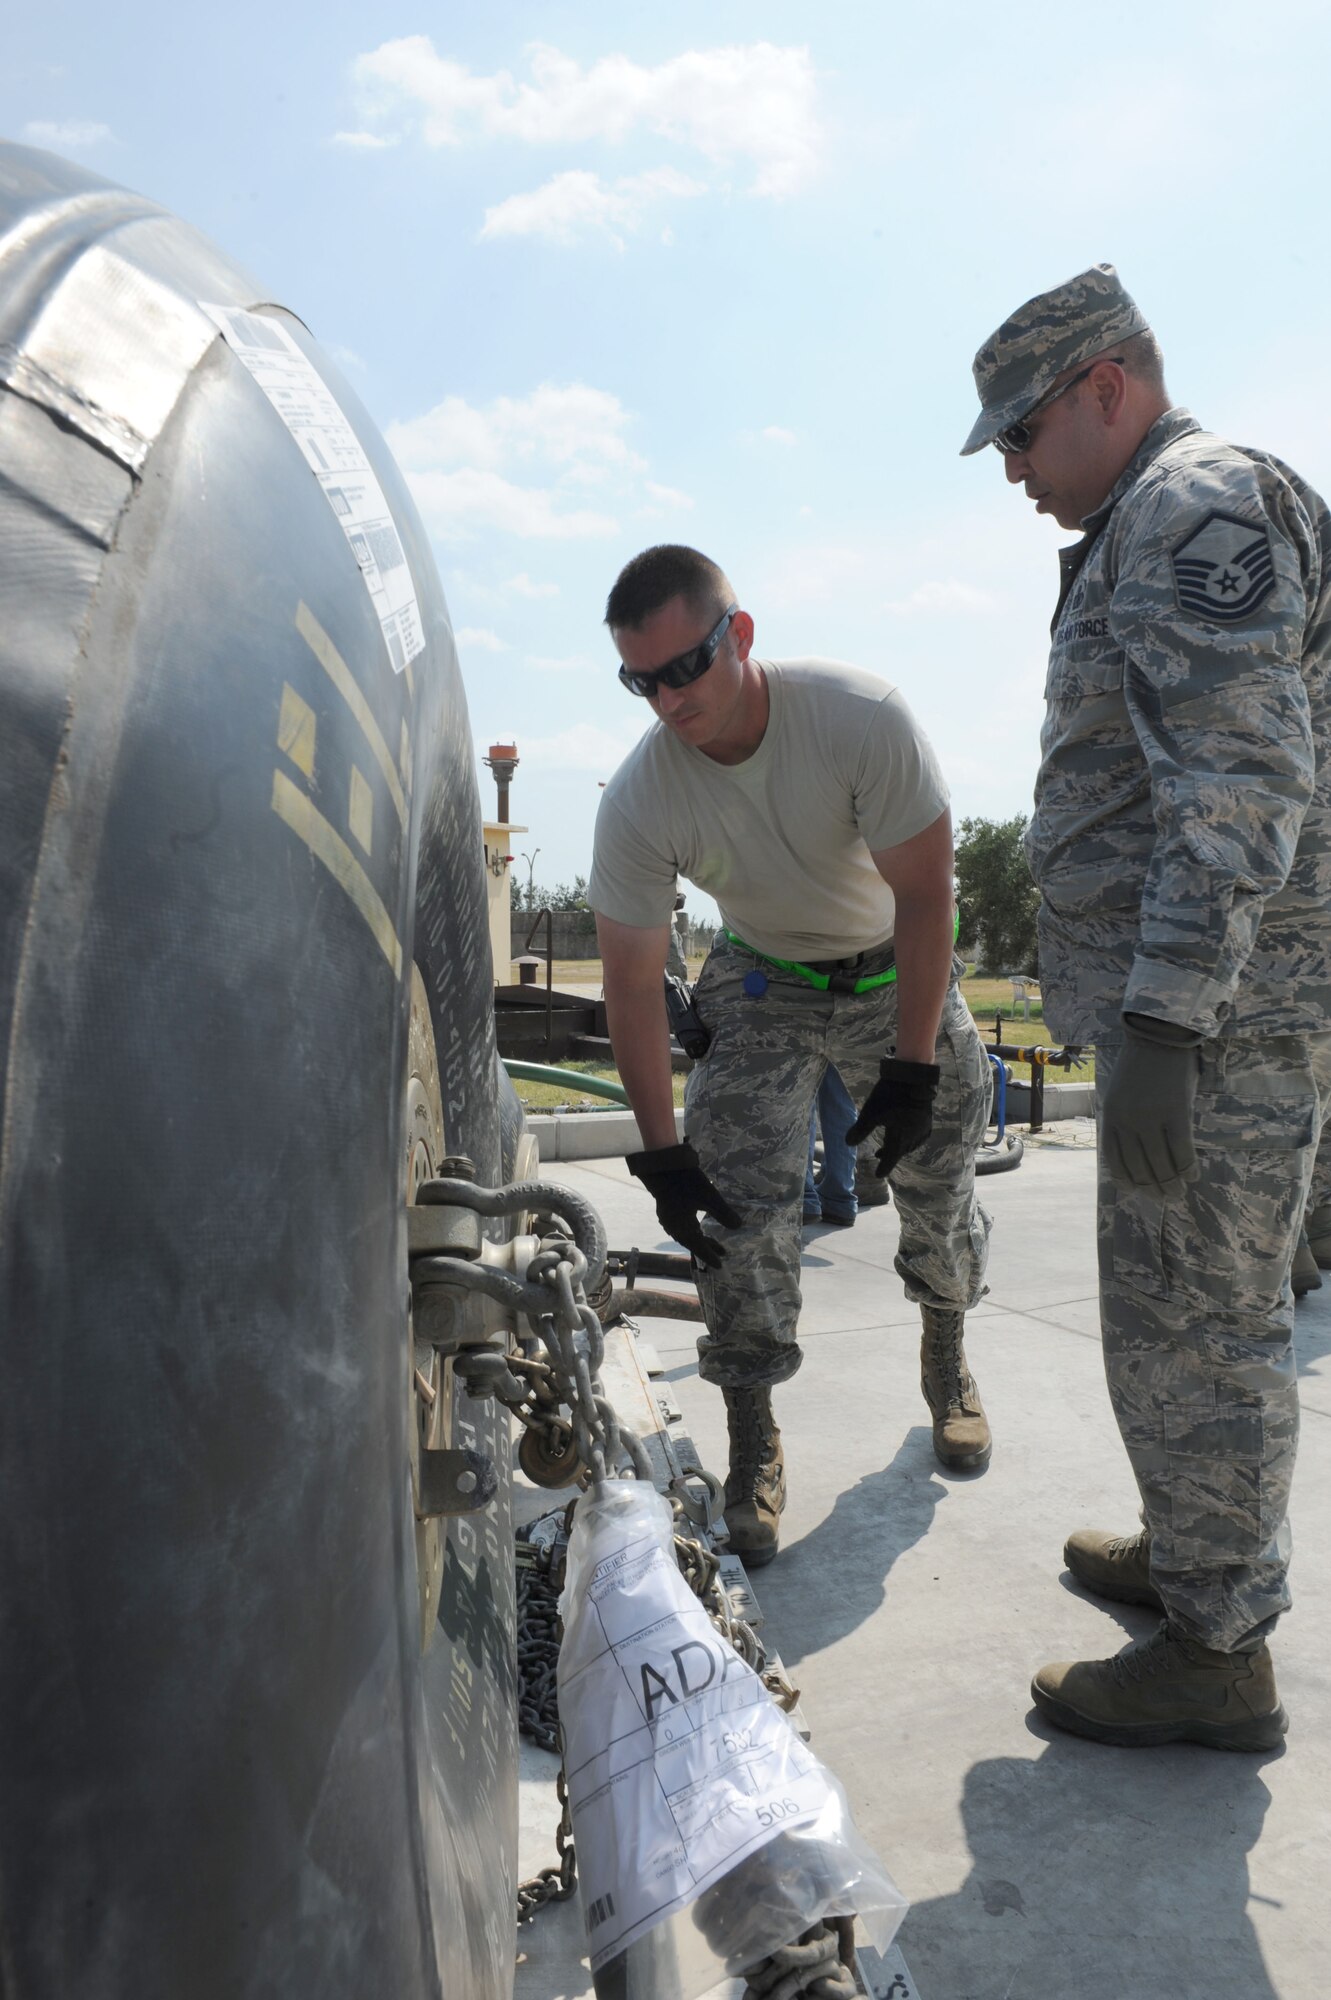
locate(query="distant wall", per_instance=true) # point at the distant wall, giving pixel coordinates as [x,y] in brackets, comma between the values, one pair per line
[574,933]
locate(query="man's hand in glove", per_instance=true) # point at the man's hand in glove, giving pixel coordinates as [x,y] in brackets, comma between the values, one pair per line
[902,1102]
[1146,1123]
[679,1187]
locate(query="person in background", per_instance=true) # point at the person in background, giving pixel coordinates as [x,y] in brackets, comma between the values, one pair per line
[829,1194]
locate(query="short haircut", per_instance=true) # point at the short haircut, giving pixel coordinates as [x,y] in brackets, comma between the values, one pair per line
[658,574]
[1143,360]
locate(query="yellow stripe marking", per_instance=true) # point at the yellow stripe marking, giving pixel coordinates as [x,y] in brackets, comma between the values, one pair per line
[340,674]
[404,758]
[296,730]
[327,845]
[360,810]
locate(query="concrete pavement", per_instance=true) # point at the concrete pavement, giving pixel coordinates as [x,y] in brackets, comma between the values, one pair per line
[911,1607]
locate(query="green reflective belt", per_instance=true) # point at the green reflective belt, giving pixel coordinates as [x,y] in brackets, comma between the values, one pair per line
[822,980]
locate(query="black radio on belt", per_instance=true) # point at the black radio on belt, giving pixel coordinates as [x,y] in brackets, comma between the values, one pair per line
[686,1023]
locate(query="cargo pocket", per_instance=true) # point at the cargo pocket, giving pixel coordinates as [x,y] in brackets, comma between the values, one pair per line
[1215,1456]
[1132,1237]
[1245,1211]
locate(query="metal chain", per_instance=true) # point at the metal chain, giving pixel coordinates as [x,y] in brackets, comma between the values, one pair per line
[819,1965]
[556,1884]
[538,1644]
[570,1380]
[554,1303]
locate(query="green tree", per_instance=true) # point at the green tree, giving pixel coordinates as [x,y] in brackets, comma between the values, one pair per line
[996,898]
[564,896]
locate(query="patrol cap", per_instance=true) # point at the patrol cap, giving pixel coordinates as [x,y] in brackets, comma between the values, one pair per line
[1048,335]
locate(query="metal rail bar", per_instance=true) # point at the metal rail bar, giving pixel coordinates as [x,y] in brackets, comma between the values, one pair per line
[549,971]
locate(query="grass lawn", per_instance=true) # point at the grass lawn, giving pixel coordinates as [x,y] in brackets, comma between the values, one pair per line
[545,1096]
[985,997]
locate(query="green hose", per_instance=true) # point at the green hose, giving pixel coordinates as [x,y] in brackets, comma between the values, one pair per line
[570,1079]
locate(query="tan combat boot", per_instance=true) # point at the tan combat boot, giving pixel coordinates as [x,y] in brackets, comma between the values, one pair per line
[961,1429]
[1317,1230]
[1304,1274]
[1166,1689]
[756,1483]
[1117,1566]
[870,1191]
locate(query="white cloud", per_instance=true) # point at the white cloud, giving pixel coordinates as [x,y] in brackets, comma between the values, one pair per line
[942,594]
[522,586]
[584,747]
[72,135]
[665,499]
[478,639]
[752,104]
[550,465]
[578,204]
[1167,136]
[346,357]
[572,663]
[814,573]
[571,426]
[467,501]
[777,434]
[365,142]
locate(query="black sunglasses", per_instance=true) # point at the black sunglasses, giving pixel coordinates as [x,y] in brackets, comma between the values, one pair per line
[1016,437]
[690,666]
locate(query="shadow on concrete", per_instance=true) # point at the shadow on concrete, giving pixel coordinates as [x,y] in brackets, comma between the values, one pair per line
[827,1584]
[1099,1874]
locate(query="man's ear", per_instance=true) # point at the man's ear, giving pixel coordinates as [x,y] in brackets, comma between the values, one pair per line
[741,631]
[1108,384]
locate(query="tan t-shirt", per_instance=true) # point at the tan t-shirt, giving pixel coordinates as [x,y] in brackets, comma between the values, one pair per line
[782,841]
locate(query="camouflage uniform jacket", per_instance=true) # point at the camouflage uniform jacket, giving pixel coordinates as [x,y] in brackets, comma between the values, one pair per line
[1181,837]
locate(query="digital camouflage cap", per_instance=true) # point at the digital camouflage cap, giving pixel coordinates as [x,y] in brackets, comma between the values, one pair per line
[1058,330]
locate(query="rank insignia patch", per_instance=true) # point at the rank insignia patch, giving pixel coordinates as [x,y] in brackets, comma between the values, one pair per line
[1224,570]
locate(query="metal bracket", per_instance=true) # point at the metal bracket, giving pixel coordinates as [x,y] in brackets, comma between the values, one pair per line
[455,1482]
[441,1229]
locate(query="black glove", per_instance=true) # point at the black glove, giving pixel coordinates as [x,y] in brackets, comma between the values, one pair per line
[902,1102]
[679,1187]
[1146,1123]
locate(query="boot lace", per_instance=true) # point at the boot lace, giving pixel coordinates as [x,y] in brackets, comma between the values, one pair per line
[1147,1657]
[754,1441]
[945,1338]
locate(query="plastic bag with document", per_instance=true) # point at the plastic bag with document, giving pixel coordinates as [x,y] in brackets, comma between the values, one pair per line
[708,1834]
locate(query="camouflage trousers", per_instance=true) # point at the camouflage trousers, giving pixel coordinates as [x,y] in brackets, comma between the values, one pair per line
[1197,1319]
[746,1111]
[1319,1195]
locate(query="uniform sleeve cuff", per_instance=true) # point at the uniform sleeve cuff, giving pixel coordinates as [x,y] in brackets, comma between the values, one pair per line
[1189,999]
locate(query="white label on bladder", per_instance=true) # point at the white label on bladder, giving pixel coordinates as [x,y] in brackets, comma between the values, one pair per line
[679,1762]
[333,452]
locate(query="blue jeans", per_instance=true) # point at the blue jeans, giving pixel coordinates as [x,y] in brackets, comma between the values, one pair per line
[835,1110]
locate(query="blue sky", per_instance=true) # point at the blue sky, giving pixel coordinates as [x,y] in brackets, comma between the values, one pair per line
[609,275]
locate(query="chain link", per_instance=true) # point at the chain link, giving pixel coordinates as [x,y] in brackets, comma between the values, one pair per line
[819,1966]
[560,1402]
[554,1303]
[555,1884]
